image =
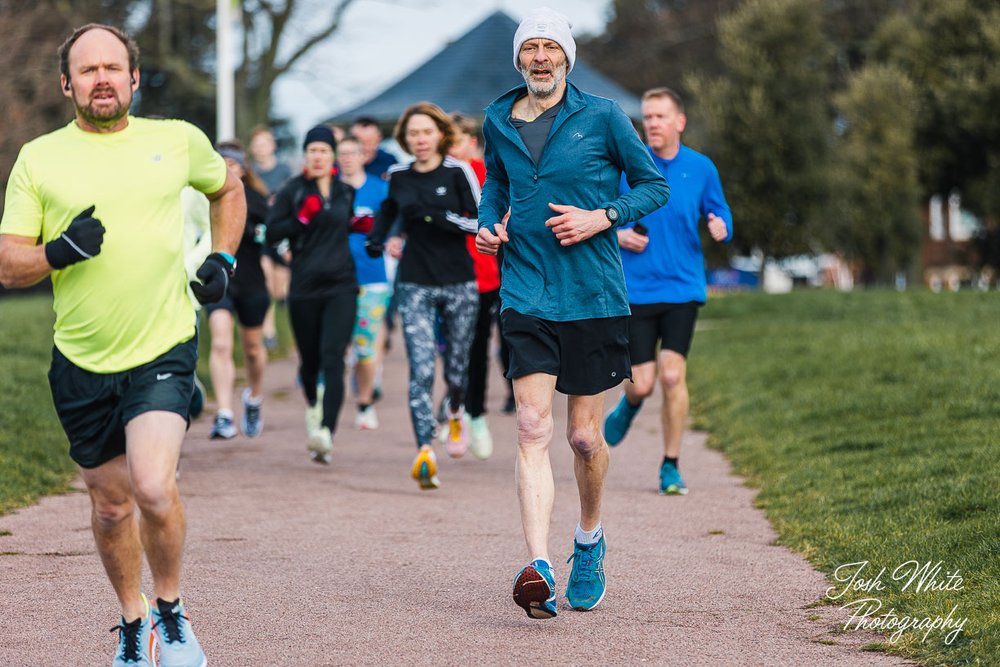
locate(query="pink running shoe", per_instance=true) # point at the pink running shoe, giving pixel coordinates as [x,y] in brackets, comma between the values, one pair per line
[458,435]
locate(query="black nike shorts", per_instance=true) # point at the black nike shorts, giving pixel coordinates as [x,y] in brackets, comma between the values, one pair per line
[95,407]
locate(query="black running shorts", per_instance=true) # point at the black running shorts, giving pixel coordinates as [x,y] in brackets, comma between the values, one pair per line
[95,407]
[586,356]
[670,323]
[250,308]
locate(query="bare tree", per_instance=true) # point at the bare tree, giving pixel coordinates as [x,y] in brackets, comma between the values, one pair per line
[271,47]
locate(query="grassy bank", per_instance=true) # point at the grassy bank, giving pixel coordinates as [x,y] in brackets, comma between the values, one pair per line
[34,459]
[869,421]
[33,449]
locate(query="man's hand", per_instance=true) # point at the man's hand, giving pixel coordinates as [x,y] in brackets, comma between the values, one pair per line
[81,240]
[629,240]
[488,243]
[214,275]
[574,225]
[717,227]
[395,247]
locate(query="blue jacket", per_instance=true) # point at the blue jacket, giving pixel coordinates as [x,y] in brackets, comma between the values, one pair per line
[591,143]
[672,267]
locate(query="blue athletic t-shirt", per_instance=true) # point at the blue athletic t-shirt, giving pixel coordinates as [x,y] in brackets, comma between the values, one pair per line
[367,200]
[672,267]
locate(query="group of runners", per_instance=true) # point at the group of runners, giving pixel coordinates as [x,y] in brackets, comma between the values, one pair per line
[602,278]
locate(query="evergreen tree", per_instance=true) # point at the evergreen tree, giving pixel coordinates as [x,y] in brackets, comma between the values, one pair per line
[766,122]
[874,212]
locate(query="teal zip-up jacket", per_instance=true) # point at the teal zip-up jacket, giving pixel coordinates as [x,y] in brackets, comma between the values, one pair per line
[591,143]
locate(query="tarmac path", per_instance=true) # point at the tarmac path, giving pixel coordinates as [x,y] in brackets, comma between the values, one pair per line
[293,563]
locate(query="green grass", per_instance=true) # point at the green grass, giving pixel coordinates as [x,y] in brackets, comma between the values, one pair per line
[870,422]
[34,453]
[34,458]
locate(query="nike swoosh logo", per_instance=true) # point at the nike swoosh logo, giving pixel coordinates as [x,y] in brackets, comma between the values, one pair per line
[164,376]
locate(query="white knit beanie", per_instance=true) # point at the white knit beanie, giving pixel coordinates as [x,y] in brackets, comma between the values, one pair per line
[545,23]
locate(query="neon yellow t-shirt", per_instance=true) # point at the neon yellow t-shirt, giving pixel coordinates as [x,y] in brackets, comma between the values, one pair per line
[128,305]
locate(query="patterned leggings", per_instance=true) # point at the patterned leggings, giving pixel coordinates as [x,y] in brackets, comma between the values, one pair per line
[418,304]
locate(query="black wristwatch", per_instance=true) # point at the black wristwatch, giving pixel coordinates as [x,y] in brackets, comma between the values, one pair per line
[612,214]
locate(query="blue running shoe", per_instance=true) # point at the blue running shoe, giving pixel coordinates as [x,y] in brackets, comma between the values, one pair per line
[251,423]
[586,582]
[178,645]
[135,642]
[671,483]
[535,590]
[618,421]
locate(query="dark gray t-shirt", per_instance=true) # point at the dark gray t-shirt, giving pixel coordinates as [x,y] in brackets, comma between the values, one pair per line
[535,133]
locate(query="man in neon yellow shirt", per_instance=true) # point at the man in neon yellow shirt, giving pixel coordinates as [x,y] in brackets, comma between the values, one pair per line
[96,204]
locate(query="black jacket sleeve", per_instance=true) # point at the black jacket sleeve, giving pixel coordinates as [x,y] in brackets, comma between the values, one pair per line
[281,222]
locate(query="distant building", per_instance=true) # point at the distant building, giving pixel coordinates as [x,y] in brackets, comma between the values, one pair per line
[473,71]
[949,257]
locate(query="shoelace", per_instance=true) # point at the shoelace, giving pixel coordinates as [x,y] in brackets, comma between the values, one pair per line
[585,567]
[129,637]
[170,622]
[253,413]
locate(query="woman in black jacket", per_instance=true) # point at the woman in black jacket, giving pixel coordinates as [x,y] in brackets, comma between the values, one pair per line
[313,211]
[432,207]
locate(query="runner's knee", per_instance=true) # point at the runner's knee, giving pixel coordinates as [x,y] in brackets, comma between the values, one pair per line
[109,513]
[641,388]
[155,496]
[534,429]
[671,378]
[585,441]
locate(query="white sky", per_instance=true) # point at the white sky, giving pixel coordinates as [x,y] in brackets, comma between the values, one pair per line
[381,41]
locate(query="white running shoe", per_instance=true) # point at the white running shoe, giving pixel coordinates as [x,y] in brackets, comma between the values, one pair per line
[366,420]
[314,420]
[480,438]
[321,445]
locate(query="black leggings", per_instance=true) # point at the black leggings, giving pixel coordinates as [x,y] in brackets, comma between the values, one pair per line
[479,353]
[322,330]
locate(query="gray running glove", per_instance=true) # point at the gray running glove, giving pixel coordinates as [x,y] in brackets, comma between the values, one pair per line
[81,240]
[214,275]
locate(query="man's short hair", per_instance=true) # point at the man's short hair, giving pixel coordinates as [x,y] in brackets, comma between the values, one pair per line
[466,125]
[260,129]
[660,93]
[366,121]
[440,118]
[128,42]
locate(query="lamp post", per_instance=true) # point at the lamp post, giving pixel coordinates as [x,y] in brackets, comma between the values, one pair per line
[225,104]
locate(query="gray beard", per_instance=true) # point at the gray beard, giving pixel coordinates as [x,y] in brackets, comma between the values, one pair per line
[558,76]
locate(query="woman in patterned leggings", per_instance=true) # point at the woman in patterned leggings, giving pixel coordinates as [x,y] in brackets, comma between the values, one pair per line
[432,206]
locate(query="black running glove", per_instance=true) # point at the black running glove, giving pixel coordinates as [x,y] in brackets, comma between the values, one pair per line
[81,240]
[214,275]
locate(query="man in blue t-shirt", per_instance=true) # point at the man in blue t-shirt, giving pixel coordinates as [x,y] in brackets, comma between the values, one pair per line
[665,275]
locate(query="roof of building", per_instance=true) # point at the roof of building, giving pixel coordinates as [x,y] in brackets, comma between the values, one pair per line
[473,71]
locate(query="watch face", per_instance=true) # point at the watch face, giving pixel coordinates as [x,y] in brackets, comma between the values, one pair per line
[612,214]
